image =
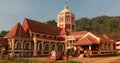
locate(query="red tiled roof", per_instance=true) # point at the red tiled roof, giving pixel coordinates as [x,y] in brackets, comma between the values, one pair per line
[102,35]
[35,26]
[79,33]
[17,31]
[105,36]
[61,38]
[94,40]
[63,32]
[77,38]
[84,41]
[104,40]
[89,40]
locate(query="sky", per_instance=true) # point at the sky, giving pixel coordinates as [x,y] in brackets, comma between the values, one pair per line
[13,11]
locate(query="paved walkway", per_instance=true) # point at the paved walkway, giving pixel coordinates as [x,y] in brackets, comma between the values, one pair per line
[84,60]
[97,59]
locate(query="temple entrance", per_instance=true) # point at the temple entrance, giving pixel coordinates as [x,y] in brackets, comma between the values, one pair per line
[84,51]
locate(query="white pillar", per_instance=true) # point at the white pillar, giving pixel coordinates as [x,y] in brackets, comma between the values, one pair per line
[99,50]
[90,47]
[107,46]
[55,46]
[13,44]
[13,47]
[111,46]
[35,47]
[49,47]
[103,47]
[22,47]
[42,47]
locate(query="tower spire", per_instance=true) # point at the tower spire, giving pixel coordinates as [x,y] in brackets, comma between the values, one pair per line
[66,2]
[66,5]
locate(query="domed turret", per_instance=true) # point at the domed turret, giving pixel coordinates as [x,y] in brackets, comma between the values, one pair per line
[66,19]
[66,9]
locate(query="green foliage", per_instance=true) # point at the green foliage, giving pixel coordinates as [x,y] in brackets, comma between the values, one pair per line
[51,22]
[3,33]
[82,24]
[101,25]
[72,52]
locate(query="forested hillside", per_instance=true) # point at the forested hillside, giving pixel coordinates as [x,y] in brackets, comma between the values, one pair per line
[101,25]
[109,25]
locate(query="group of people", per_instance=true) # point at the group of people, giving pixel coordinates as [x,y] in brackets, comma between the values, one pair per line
[84,52]
[62,55]
[59,55]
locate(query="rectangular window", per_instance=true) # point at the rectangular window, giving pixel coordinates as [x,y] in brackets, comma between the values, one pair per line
[67,26]
[67,18]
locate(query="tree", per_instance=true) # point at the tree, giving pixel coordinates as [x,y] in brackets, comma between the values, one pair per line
[112,25]
[51,22]
[82,24]
[101,25]
[3,33]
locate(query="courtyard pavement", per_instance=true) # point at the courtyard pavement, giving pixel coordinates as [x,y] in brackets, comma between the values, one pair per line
[98,59]
[111,59]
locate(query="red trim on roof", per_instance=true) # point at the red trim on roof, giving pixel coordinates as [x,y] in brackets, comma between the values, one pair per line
[63,32]
[79,33]
[17,31]
[104,40]
[35,26]
[84,41]
[105,36]
[89,40]
[94,40]
[61,38]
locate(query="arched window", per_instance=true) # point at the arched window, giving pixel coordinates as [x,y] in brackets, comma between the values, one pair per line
[18,45]
[27,46]
[60,48]
[40,46]
[53,47]
[46,47]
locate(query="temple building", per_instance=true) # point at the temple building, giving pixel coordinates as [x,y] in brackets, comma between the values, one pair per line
[33,38]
